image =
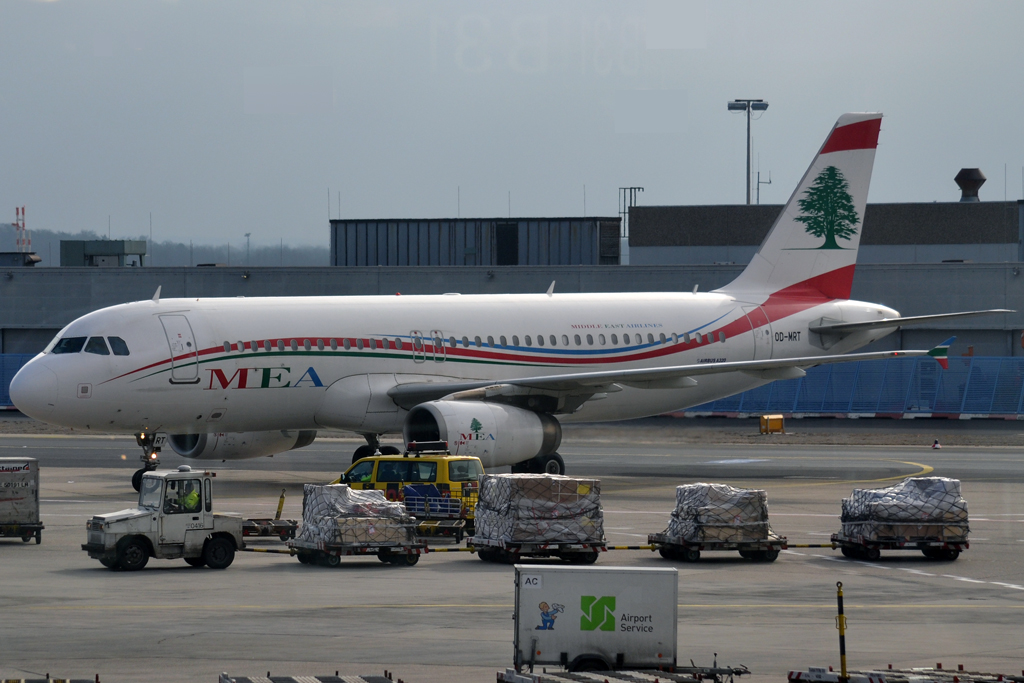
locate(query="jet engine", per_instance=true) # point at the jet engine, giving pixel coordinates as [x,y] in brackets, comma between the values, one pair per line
[238,445]
[497,434]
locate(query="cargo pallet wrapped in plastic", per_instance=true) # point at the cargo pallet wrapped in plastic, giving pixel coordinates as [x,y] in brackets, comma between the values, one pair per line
[338,520]
[920,513]
[718,517]
[538,515]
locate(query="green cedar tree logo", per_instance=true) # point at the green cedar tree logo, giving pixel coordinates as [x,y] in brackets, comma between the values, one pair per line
[476,426]
[598,613]
[827,208]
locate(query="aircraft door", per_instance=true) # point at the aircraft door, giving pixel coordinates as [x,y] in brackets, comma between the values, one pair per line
[184,356]
[761,329]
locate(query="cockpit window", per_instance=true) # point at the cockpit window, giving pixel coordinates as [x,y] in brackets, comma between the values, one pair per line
[69,345]
[98,346]
[118,346]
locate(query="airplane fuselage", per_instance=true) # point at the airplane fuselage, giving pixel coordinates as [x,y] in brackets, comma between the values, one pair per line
[256,364]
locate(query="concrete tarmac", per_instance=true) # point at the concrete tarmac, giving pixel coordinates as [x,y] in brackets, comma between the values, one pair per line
[449,618]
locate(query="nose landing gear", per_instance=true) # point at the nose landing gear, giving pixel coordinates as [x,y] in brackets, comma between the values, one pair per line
[373,447]
[151,445]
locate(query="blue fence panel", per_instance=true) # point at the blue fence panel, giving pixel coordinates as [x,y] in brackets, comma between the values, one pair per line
[756,400]
[897,385]
[952,386]
[784,393]
[10,363]
[981,385]
[892,397]
[839,392]
[1006,397]
[868,386]
[812,389]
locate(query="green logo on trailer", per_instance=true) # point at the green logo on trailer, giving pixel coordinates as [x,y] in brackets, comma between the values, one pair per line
[598,613]
[827,209]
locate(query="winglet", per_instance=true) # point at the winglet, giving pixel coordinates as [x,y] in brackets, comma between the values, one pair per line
[551,289]
[939,353]
[156,296]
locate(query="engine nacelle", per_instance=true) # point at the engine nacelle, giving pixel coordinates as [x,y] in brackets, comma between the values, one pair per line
[497,434]
[238,445]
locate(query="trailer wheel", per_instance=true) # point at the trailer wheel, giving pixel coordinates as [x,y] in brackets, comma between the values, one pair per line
[219,553]
[585,663]
[384,556]
[39,537]
[769,555]
[950,554]
[849,551]
[195,561]
[871,554]
[132,555]
[26,539]
[667,553]
[581,558]
[930,553]
[330,560]
[748,554]
[305,558]
[406,560]
[486,555]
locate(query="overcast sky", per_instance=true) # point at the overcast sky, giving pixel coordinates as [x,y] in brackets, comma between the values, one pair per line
[229,117]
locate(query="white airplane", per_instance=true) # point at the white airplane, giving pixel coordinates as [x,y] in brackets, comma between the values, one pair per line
[492,375]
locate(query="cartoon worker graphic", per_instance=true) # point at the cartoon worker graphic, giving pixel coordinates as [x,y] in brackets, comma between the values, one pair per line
[548,614]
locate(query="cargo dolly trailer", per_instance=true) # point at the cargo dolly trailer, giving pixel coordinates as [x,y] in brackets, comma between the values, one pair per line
[675,548]
[330,554]
[863,548]
[512,552]
[282,528]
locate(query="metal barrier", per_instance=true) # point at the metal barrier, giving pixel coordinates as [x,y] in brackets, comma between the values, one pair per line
[976,386]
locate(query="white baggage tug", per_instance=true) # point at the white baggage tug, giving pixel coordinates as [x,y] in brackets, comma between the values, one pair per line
[173,520]
[595,618]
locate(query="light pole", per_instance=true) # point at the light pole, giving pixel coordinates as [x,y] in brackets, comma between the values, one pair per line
[748,106]
[247,247]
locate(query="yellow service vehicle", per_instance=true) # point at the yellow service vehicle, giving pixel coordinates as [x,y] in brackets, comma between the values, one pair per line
[434,485]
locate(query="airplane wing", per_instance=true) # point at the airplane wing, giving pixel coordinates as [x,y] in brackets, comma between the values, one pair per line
[573,389]
[836,327]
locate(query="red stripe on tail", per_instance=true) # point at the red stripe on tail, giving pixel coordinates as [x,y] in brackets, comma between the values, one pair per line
[861,135]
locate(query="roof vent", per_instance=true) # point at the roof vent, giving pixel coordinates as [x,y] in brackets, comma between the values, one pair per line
[970,180]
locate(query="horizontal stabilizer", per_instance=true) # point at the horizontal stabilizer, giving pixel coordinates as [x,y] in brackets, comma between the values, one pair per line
[841,328]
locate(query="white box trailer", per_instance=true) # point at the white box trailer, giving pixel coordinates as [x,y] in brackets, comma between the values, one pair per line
[595,618]
[19,499]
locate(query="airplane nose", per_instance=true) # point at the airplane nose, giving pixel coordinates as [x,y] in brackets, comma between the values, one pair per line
[34,390]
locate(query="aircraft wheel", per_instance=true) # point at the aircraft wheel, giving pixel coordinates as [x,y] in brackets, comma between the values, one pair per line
[524,467]
[551,463]
[137,479]
[363,452]
[390,450]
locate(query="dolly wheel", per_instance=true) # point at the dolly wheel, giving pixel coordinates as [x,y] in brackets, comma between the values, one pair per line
[691,555]
[871,554]
[769,555]
[950,554]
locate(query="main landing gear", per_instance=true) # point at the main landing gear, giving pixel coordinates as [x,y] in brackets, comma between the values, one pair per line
[550,463]
[151,445]
[373,447]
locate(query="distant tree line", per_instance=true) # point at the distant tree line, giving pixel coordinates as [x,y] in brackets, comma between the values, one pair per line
[46,245]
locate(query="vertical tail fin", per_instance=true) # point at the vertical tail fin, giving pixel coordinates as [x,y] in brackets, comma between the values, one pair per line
[813,245]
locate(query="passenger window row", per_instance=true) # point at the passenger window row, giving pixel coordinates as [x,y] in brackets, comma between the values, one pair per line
[94,345]
[453,342]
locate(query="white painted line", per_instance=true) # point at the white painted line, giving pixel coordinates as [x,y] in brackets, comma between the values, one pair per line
[916,571]
[734,461]
[963,578]
[793,552]
[1008,585]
